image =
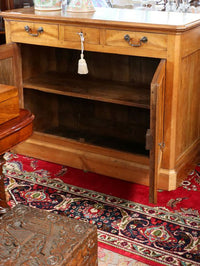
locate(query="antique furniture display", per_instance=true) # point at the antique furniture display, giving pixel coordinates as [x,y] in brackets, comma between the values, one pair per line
[10,4]
[16,124]
[136,114]
[12,132]
[36,237]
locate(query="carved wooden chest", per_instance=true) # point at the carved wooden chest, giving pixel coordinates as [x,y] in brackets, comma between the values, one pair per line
[34,237]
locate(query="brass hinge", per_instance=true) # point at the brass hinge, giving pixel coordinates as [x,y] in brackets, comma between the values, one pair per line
[149,140]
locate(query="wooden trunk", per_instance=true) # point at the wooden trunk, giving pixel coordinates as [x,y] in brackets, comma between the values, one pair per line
[38,237]
[9,103]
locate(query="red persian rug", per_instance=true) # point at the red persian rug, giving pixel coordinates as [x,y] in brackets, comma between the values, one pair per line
[165,234]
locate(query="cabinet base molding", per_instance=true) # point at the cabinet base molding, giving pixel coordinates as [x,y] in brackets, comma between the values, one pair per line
[136,169]
[185,164]
[167,179]
[187,161]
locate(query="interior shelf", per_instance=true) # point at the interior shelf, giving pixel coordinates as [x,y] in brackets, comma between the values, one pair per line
[86,87]
[95,139]
[105,124]
[107,108]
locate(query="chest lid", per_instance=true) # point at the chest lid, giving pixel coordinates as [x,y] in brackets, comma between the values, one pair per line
[9,103]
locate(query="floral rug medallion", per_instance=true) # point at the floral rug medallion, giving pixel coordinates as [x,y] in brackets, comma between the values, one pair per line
[154,234]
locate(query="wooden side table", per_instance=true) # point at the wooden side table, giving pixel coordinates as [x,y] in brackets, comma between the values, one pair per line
[13,132]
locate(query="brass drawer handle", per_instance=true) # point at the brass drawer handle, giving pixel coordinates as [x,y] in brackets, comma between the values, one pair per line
[127,38]
[39,31]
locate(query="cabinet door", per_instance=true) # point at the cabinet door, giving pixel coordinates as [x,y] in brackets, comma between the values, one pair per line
[156,128]
[10,67]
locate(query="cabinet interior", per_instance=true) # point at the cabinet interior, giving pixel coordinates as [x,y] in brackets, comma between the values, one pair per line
[108,107]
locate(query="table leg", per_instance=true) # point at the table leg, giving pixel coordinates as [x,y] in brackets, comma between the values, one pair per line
[3,203]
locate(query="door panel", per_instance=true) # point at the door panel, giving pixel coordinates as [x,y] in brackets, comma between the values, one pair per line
[10,67]
[156,128]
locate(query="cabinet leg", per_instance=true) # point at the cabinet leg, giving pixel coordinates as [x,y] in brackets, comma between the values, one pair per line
[152,194]
[3,203]
[153,176]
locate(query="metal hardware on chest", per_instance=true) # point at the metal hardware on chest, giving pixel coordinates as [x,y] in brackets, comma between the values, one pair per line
[39,31]
[128,39]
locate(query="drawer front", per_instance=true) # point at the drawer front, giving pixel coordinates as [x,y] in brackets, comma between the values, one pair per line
[154,42]
[47,36]
[91,35]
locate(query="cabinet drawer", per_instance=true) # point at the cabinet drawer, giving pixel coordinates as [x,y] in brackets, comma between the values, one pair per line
[91,35]
[155,42]
[48,36]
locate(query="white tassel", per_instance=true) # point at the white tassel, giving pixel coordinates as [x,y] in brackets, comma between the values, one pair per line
[82,66]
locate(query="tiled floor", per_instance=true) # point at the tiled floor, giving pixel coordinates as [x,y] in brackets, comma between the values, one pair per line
[109,258]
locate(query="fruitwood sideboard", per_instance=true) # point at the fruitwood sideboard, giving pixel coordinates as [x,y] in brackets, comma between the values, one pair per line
[135,115]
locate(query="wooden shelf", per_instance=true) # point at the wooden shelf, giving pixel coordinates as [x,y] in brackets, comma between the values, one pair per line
[98,140]
[82,86]
[126,166]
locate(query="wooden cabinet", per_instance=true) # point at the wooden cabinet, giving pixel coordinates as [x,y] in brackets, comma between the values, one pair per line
[50,32]
[9,4]
[135,115]
[9,103]
[155,41]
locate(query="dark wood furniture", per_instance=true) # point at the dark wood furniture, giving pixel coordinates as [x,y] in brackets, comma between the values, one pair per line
[5,5]
[16,124]
[10,4]
[12,132]
[142,90]
[35,237]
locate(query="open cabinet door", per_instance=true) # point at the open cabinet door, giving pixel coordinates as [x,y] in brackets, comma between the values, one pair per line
[11,68]
[156,128]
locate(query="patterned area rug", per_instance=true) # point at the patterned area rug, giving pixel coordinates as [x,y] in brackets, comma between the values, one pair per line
[154,235]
